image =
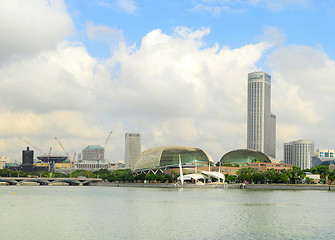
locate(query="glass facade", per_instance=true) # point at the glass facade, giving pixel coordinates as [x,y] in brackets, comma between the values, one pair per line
[244,156]
[166,156]
[171,156]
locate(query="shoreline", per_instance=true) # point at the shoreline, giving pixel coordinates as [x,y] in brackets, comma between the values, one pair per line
[322,187]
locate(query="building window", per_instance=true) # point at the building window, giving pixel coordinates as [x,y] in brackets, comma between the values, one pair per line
[326,154]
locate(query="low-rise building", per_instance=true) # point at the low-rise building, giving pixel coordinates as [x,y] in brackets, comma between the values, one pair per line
[314,177]
[268,166]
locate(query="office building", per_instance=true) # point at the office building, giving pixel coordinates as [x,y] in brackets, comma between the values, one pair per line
[323,157]
[133,149]
[92,153]
[299,153]
[261,126]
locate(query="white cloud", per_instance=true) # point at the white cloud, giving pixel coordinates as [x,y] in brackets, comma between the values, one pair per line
[303,94]
[103,33]
[127,6]
[214,10]
[178,85]
[277,5]
[172,88]
[216,7]
[31,26]
[65,78]
[273,35]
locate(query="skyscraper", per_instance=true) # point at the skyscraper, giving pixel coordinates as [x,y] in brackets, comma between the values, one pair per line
[299,153]
[133,149]
[261,126]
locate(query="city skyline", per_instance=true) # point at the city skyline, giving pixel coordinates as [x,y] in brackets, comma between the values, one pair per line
[174,71]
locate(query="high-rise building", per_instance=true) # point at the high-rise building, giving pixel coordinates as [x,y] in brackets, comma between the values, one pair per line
[133,149]
[299,153]
[261,126]
[27,157]
[92,153]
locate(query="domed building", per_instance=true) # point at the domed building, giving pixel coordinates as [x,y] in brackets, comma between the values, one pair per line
[245,156]
[169,156]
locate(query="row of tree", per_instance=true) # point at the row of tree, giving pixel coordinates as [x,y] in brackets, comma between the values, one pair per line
[293,176]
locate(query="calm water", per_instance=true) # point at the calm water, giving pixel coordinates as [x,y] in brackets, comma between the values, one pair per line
[50,212]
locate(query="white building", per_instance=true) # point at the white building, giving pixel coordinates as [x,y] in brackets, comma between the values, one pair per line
[94,166]
[93,152]
[261,126]
[133,149]
[314,177]
[299,153]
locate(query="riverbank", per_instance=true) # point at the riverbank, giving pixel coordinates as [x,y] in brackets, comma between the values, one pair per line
[221,185]
[159,185]
[283,186]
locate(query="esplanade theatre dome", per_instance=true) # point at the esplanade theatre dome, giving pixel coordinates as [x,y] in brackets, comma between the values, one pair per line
[245,156]
[165,156]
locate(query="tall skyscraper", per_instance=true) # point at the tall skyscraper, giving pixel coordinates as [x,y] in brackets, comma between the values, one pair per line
[133,149]
[261,126]
[299,153]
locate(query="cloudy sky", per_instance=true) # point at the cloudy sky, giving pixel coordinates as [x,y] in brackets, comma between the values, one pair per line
[175,71]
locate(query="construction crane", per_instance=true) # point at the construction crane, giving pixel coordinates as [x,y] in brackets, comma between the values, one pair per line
[36,148]
[61,145]
[67,154]
[99,155]
[49,152]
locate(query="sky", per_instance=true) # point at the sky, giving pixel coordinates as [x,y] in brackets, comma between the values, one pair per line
[174,71]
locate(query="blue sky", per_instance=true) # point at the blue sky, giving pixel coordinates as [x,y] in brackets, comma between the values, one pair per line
[301,22]
[176,71]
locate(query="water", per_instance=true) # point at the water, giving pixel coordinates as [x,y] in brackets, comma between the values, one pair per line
[50,212]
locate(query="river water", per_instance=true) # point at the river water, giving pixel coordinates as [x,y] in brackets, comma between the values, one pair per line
[51,212]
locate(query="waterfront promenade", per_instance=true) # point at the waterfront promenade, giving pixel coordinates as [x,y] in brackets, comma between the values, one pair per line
[221,185]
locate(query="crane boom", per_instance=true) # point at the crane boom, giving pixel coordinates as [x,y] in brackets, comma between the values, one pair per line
[36,148]
[61,145]
[49,151]
[108,138]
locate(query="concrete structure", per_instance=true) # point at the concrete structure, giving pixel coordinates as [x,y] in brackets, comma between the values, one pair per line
[48,181]
[93,166]
[263,167]
[91,153]
[53,159]
[299,153]
[323,157]
[244,157]
[261,125]
[133,149]
[168,156]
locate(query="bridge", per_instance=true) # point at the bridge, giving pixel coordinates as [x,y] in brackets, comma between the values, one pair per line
[48,181]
